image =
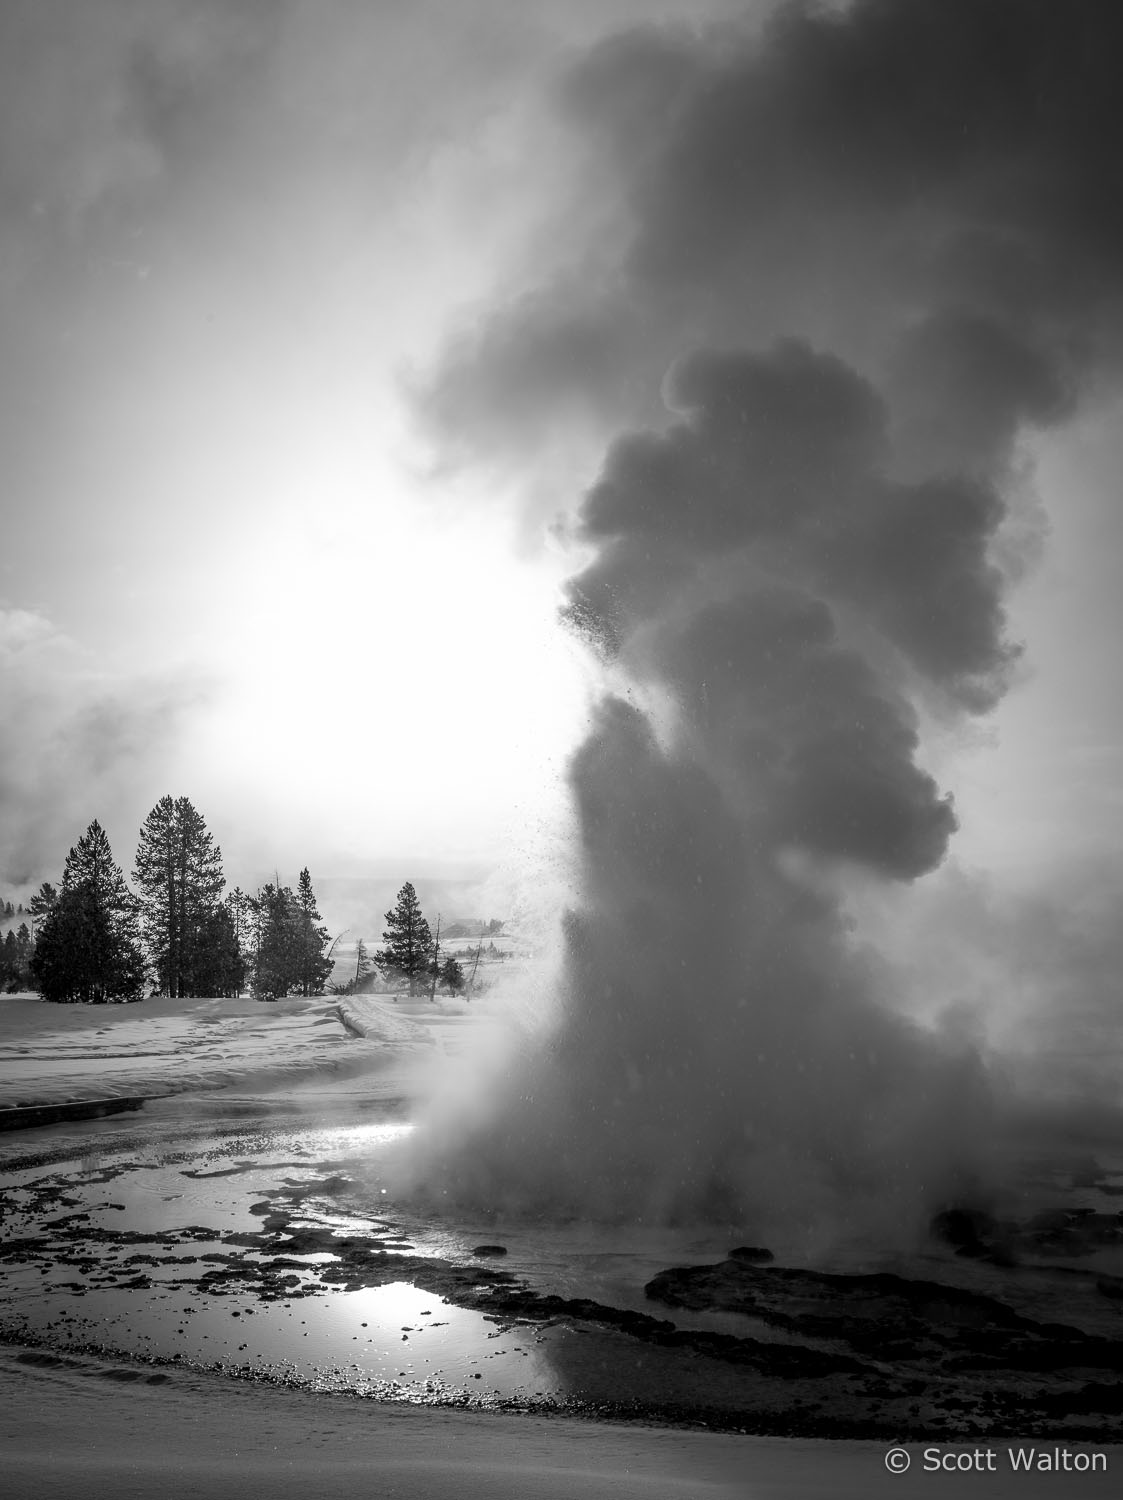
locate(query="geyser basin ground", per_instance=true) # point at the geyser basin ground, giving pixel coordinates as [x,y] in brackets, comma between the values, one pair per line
[254,1238]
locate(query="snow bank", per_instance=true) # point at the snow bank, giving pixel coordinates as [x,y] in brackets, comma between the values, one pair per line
[84,1426]
[59,1053]
[377,1019]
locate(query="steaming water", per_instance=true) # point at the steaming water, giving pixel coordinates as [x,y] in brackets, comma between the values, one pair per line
[120,1227]
[185,1198]
[725,1050]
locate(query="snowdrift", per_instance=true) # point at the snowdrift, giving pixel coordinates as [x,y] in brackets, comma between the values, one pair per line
[59,1053]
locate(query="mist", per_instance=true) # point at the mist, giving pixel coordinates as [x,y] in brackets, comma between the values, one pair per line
[77,743]
[829,274]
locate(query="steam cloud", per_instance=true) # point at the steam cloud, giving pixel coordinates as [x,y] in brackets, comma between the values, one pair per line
[100,746]
[788,565]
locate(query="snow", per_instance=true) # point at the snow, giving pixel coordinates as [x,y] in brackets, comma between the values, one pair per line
[377,1018]
[81,1426]
[76,1427]
[52,1054]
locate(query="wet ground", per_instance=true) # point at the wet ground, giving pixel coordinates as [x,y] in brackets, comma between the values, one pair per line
[254,1237]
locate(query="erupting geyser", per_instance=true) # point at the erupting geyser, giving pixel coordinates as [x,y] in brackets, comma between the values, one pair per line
[790,563]
[725,1052]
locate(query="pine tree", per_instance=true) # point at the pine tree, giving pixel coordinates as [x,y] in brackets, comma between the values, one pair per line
[90,863]
[279,961]
[24,949]
[84,953]
[242,919]
[88,945]
[9,963]
[315,966]
[407,938]
[363,965]
[179,872]
[452,976]
[218,967]
[41,903]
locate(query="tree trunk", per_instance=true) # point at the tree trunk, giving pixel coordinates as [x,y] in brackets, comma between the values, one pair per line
[436,961]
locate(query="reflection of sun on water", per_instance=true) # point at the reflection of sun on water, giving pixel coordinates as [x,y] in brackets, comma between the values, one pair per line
[387,1308]
[360,1138]
[401,1334]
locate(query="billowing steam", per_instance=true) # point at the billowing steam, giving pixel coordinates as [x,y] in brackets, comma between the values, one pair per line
[788,566]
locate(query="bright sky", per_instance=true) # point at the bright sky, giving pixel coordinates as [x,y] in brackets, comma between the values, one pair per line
[228,234]
[231,565]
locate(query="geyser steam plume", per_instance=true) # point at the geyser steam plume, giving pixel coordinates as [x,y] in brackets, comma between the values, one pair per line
[723,1047]
[788,567]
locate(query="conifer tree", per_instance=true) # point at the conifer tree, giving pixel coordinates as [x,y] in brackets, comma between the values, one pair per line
[408,939]
[179,872]
[218,967]
[452,976]
[9,963]
[362,965]
[279,959]
[315,966]
[41,903]
[81,955]
[90,863]
[244,924]
[88,947]
[290,942]
[24,949]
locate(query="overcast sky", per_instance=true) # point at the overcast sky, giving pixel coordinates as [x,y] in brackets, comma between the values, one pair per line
[284,494]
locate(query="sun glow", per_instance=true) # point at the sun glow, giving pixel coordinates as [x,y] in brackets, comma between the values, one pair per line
[395,678]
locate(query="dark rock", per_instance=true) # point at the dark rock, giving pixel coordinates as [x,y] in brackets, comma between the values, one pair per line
[755,1254]
[490,1250]
[785,1361]
[887,1317]
[997,1255]
[975,1235]
[965,1228]
[27,1116]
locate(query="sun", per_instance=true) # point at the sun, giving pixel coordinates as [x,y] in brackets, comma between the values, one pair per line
[395,677]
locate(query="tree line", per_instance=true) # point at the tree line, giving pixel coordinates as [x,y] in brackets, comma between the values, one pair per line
[96,940]
[15,950]
[15,958]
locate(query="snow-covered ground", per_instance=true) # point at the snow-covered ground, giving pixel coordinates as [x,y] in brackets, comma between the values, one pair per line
[52,1054]
[80,1426]
[73,1426]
